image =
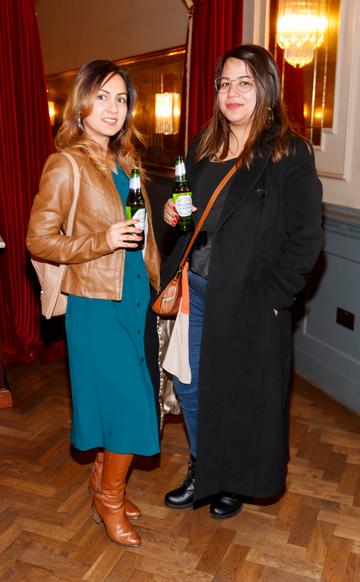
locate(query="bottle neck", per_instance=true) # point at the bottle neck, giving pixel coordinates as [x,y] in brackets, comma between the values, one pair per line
[180,172]
[135,183]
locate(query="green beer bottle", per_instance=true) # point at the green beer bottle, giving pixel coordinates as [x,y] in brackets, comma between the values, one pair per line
[182,197]
[135,205]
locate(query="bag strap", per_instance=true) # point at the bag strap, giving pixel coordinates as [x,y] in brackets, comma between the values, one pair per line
[69,229]
[71,217]
[205,214]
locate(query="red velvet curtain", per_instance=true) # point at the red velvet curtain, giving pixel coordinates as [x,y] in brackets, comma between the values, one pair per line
[25,143]
[217,27]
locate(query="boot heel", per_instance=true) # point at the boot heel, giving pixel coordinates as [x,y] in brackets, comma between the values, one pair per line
[95,515]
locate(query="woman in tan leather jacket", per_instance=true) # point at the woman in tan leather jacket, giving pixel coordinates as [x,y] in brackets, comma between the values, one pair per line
[107,282]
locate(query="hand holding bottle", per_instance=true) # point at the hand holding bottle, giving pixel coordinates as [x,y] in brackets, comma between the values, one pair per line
[124,235]
[171,217]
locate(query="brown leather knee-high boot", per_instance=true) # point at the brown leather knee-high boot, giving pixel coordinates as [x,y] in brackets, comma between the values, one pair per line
[131,510]
[109,502]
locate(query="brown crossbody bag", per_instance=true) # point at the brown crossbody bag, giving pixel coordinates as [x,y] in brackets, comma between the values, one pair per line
[168,300]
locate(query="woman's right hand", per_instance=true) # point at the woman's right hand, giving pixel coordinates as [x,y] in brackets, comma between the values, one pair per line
[123,235]
[171,217]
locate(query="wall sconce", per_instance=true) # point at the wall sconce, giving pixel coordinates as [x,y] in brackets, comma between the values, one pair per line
[51,106]
[301,27]
[167,112]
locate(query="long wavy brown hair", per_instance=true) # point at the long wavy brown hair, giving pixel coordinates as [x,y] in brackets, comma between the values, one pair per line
[124,146]
[269,112]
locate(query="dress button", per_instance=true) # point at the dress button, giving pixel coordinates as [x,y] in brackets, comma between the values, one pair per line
[141,359]
[138,331]
[138,304]
[138,276]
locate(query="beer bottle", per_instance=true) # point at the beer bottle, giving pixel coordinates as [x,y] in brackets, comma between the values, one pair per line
[182,197]
[135,205]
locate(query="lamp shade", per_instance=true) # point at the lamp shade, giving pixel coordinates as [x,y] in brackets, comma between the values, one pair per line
[51,106]
[167,113]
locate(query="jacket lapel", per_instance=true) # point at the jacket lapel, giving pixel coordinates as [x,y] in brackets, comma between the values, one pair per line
[115,195]
[103,184]
[243,183]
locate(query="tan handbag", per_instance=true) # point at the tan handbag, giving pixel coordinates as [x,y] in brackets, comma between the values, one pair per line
[176,361]
[168,300]
[51,275]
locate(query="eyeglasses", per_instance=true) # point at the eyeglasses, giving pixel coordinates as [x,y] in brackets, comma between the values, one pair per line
[242,84]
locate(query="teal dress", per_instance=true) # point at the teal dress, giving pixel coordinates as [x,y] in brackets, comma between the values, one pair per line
[112,394]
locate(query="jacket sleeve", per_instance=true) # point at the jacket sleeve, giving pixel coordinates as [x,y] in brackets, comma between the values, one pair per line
[303,237]
[49,214]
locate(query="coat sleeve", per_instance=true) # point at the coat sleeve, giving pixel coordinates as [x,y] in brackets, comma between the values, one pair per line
[303,237]
[49,213]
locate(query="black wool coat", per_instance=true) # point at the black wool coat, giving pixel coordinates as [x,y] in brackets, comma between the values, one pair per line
[268,239]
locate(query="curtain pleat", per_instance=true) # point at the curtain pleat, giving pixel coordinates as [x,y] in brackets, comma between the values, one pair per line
[25,143]
[217,27]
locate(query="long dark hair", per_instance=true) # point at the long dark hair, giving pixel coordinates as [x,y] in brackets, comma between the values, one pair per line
[122,146]
[269,110]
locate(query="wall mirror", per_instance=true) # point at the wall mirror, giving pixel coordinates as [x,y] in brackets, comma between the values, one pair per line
[158,78]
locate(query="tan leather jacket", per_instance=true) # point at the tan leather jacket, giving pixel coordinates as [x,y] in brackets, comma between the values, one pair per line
[94,270]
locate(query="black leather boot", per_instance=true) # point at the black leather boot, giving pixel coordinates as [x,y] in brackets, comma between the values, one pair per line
[226,505]
[183,496]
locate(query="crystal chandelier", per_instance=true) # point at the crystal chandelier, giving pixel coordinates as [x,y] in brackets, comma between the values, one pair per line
[301,27]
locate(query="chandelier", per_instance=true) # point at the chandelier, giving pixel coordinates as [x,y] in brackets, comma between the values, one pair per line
[301,27]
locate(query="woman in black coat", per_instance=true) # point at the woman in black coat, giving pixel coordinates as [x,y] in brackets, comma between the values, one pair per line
[250,261]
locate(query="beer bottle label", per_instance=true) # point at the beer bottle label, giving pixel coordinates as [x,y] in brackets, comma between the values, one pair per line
[139,215]
[128,213]
[183,204]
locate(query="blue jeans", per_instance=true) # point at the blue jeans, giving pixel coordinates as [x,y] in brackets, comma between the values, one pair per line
[188,394]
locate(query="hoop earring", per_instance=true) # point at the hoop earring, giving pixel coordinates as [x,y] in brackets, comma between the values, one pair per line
[270,117]
[79,123]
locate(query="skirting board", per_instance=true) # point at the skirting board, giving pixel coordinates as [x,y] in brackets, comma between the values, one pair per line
[342,388]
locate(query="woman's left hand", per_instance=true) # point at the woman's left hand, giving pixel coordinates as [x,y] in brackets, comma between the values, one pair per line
[123,235]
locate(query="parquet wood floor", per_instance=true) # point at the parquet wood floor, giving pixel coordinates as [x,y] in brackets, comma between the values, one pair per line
[46,533]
